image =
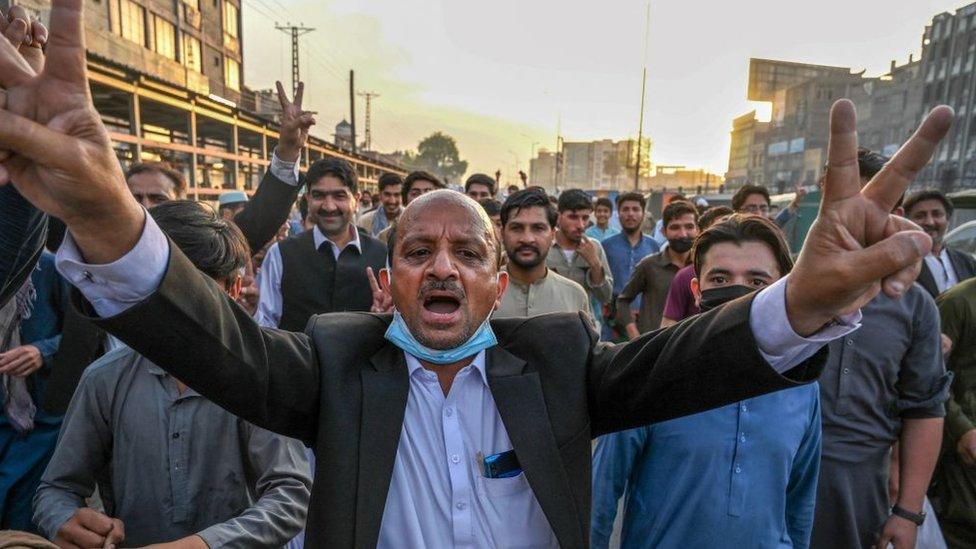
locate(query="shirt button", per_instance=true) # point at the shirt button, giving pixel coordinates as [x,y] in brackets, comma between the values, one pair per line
[460,505]
[738,469]
[176,435]
[744,408]
[742,438]
[449,412]
[847,370]
[850,342]
[88,276]
[455,458]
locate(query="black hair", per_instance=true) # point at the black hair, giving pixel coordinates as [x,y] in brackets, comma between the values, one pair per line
[164,168]
[492,207]
[741,228]
[528,198]
[676,209]
[418,175]
[706,219]
[869,163]
[747,190]
[215,246]
[389,179]
[480,179]
[603,201]
[572,200]
[335,167]
[928,194]
[631,197]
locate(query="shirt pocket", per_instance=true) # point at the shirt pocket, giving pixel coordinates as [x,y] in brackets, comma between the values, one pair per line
[494,488]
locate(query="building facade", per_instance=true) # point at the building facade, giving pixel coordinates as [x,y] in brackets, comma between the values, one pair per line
[166,78]
[603,165]
[791,149]
[542,170]
[948,57]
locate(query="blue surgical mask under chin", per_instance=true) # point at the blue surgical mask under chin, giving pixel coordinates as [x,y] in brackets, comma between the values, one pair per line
[400,335]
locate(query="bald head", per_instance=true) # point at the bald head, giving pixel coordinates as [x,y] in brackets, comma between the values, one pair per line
[419,214]
[445,260]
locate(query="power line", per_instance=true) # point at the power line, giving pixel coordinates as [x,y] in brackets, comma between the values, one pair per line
[369,104]
[295,32]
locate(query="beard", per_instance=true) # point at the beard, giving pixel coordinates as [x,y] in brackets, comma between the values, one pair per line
[515,259]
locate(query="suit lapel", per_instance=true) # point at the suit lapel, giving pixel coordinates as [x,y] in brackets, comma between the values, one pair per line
[927,281]
[385,389]
[522,407]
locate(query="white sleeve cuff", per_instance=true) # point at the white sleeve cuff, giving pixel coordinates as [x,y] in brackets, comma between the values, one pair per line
[114,287]
[778,343]
[285,171]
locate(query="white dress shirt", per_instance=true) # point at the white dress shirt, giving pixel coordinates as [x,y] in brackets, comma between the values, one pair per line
[942,270]
[438,497]
[270,302]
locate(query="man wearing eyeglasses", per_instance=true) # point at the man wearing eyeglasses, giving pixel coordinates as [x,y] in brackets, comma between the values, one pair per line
[751,199]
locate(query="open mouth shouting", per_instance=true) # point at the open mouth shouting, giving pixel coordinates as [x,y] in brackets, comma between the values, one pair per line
[441,307]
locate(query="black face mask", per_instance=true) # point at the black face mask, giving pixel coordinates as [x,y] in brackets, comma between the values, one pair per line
[715,297]
[680,245]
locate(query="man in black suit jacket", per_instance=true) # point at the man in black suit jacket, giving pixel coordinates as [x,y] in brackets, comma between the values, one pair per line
[350,386]
[944,267]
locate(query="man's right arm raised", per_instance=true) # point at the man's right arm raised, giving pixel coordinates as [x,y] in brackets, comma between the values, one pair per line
[155,300]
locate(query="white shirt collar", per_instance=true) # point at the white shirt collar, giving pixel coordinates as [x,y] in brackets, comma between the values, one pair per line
[413,365]
[319,237]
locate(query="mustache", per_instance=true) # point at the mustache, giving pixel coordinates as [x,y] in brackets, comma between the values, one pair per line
[528,247]
[450,286]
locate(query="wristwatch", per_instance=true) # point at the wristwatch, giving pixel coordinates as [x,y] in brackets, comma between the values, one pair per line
[917,518]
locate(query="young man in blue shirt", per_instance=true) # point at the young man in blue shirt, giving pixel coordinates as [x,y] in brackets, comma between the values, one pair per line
[744,475]
[626,249]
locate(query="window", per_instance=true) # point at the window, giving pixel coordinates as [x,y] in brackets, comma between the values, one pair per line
[164,37]
[230,19]
[132,22]
[191,53]
[232,73]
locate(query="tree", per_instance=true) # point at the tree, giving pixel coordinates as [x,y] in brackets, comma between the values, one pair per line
[439,154]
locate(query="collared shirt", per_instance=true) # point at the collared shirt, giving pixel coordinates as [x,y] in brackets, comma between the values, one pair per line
[651,280]
[114,287]
[271,302]
[552,293]
[942,270]
[572,266]
[598,234]
[170,465]
[743,475]
[438,495]
[623,257]
[887,370]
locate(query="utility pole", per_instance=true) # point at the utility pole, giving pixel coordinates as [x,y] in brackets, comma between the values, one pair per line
[369,107]
[295,32]
[640,124]
[352,106]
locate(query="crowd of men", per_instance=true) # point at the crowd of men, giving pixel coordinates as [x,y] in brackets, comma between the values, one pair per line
[195,391]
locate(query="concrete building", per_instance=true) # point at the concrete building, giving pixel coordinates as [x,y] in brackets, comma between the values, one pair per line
[791,149]
[747,151]
[603,165]
[343,135]
[542,170]
[167,80]
[948,57]
[684,180]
